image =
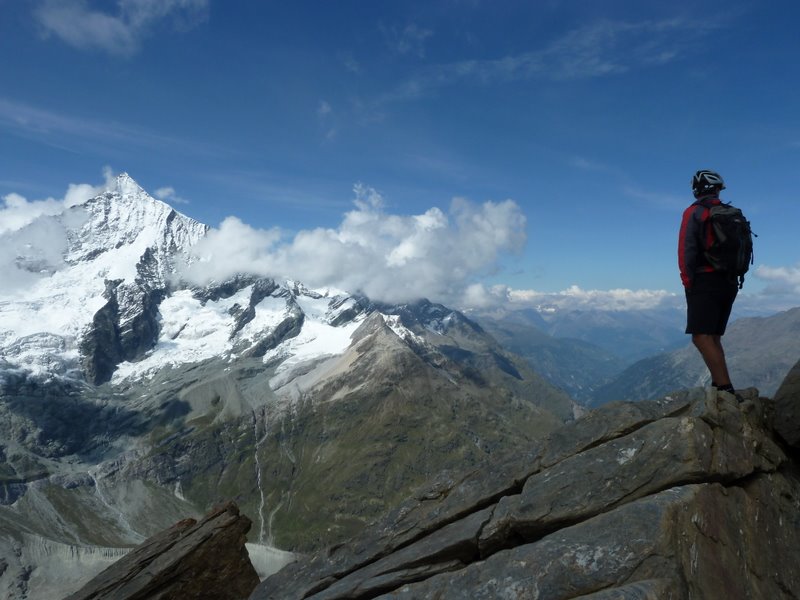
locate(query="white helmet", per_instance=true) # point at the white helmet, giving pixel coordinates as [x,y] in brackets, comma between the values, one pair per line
[705,182]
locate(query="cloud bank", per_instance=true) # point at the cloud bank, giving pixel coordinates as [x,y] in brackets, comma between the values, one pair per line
[77,24]
[442,255]
[32,244]
[780,280]
[436,254]
[16,211]
[572,298]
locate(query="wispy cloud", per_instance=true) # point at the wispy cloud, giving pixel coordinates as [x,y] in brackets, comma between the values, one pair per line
[350,63]
[656,198]
[630,189]
[410,40]
[327,119]
[167,194]
[588,164]
[71,132]
[120,33]
[601,49]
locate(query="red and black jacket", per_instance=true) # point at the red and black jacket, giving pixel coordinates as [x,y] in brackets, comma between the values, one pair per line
[694,239]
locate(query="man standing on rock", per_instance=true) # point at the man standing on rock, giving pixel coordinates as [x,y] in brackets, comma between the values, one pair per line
[709,293]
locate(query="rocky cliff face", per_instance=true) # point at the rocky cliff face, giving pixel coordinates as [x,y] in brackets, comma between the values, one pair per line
[691,496]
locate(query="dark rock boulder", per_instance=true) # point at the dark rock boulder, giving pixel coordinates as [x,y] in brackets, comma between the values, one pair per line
[200,560]
[691,496]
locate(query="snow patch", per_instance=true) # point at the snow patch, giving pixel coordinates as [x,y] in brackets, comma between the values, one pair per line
[190,332]
[394,323]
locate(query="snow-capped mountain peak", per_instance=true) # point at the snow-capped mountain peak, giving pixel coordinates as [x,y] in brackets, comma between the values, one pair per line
[127,217]
[118,249]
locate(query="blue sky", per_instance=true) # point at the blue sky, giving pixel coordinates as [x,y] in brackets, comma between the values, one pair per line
[590,117]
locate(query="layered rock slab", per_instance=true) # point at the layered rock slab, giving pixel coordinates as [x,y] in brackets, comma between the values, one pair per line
[630,502]
[454,496]
[201,560]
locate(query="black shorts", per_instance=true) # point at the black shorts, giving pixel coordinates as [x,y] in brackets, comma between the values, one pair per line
[709,302]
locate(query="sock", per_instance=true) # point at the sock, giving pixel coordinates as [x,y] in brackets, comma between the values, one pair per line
[725,388]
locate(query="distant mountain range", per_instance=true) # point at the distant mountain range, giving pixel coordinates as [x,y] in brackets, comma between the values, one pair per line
[580,351]
[576,366]
[759,351]
[621,355]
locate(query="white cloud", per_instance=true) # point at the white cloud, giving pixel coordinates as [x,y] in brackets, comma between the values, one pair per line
[780,280]
[32,244]
[232,248]
[502,298]
[167,194]
[388,257]
[77,24]
[16,211]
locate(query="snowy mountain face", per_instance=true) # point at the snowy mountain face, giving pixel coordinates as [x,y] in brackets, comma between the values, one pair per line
[109,304]
[109,257]
[110,307]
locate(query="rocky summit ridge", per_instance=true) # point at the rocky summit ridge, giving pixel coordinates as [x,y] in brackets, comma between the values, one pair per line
[692,496]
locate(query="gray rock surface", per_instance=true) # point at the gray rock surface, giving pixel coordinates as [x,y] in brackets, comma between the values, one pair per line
[787,407]
[201,560]
[691,496]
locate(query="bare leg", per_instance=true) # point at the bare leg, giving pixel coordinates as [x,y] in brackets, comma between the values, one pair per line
[710,347]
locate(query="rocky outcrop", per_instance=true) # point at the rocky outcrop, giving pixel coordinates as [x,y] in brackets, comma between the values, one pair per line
[101,350]
[123,329]
[691,496]
[202,560]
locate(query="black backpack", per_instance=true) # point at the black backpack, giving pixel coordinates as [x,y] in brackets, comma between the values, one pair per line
[732,247]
